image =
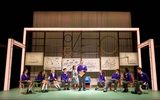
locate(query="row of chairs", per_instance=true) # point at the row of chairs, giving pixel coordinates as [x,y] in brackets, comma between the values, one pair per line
[24,85]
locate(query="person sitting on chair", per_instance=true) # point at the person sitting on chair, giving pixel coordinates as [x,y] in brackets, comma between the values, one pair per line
[41,79]
[25,79]
[101,80]
[65,79]
[115,78]
[127,78]
[143,80]
[53,79]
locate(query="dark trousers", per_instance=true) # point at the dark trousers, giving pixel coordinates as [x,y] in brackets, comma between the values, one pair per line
[100,84]
[137,85]
[64,84]
[81,82]
[125,85]
[115,81]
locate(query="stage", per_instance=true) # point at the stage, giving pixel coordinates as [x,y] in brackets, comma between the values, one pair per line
[91,94]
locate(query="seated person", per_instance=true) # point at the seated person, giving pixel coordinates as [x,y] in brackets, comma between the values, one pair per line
[53,78]
[101,80]
[41,79]
[127,78]
[115,78]
[142,81]
[25,79]
[65,79]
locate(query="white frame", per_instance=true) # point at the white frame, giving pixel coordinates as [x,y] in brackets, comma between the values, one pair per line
[150,43]
[11,43]
[136,30]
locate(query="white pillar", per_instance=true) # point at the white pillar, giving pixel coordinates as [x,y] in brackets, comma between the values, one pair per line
[153,65]
[23,52]
[8,65]
[139,49]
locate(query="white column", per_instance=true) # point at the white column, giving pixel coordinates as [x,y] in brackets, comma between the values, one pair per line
[153,65]
[8,65]
[139,49]
[23,52]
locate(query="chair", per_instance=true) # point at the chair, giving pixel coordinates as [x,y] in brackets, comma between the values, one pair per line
[119,85]
[23,85]
[37,84]
[87,82]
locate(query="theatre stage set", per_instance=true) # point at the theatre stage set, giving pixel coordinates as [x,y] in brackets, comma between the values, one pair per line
[91,93]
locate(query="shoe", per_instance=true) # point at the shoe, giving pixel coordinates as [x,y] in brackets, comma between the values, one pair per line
[104,90]
[79,89]
[30,91]
[84,89]
[125,90]
[46,90]
[115,90]
[68,89]
[59,89]
[139,92]
[133,92]
[42,91]
[96,88]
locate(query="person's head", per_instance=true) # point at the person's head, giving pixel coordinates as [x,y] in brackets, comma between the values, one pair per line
[43,72]
[65,70]
[117,71]
[126,70]
[81,62]
[74,67]
[139,70]
[52,71]
[40,73]
[25,71]
[100,71]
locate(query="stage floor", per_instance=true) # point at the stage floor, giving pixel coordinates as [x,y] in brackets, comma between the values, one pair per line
[91,94]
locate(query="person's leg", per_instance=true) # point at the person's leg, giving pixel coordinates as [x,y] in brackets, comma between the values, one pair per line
[115,85]
[125,86]
[80,83]
[108,84]
[68,86]
[83,81]
[98,84]
[138,89]
[30,86]
[63,84]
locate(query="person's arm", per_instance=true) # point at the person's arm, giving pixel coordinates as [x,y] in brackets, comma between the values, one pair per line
[78,69]
[62,77]
[55,77]
[147,78]
[85,69]
[68,76]
[23,77]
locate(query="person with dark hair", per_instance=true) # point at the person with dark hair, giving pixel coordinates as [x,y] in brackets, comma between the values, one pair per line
[41,79]
[127,78]
[65,79]
[25,79]
[81,75]
[75,79]
[142,81]
[101,80]
[115,78]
